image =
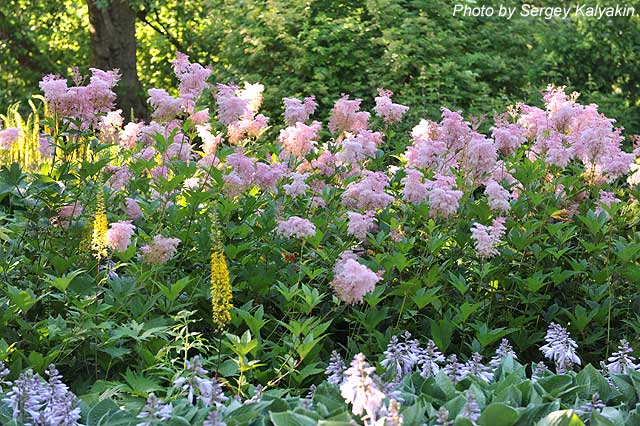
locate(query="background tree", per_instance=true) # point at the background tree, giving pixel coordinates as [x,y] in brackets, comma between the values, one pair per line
[113,45]
[324,47]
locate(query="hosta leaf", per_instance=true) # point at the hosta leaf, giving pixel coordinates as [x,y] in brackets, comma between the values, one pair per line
[498,414]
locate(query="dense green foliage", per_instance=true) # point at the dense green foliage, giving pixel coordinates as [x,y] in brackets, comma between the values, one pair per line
[415,48]
[513,399]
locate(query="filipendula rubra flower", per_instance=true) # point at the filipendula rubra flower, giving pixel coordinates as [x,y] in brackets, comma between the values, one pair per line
[221,295]
[100,228]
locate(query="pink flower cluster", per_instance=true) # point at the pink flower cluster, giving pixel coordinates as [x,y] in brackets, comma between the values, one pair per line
[347,117]
[452,144]
[8,136]
[85,103]
[245,173]
[118,236]
[567,130]
[352,280]
[132,209]
[486,238]
[297,111]
[295,227]
[298,186]
[442,197]
[368,193]
[165,106]
[497,196]
[385,108]
[237,110]
[444,200]
[299,139]
[193,81]
[360,224]
[355,149]
[607,199]
[160,250]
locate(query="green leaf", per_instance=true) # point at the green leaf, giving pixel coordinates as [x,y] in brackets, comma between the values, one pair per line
[561,418]
[61,283]
[289,418]
[100,411]
[498,414]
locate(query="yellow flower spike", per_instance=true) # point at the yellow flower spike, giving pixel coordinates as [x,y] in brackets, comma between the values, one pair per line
[221,296]
[100,227]
[221,293]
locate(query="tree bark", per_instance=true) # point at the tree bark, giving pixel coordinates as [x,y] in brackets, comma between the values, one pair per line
[113,45]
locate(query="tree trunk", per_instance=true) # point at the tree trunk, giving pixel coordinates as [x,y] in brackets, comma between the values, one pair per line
[113,45]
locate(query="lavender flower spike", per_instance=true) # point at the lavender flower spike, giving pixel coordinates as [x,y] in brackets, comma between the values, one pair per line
[560,348]
[361,390]
[621,362]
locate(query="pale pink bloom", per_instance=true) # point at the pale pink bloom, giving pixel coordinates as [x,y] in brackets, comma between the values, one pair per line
[46,146]
[454,131]
[299,139]
[235,184]
[479,159]
[230,106]
[297,187]
[415,190]
[165,106]
[8,136]
[191,183]
[497,196]
[120,178]
[606,200]
[193,80]
[209,141]
[296,111]
[132,209]
[118,237]
[295,227]
[425,129]
[368,193]
[357,148]
[160,171]
[72,210]
[109,126]
[252,93]
[346,116]
[426,153]
[182,151]
[267,176]
[487,237]
[361,224]
[153,129]
[385,108]
[318,202]
[360,390]
[534,120]
[241,164]
[200,117]
[160,250]
[147,153]
[250,127]
[502,173]
[129,134]
[443,198]
[634,176]
[208,161]
[352,280]
[112,119]
[507,136]
[325,163]
[85,103]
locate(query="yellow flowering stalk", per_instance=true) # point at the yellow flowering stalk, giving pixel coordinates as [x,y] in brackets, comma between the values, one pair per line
[100,227]
[221,294]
